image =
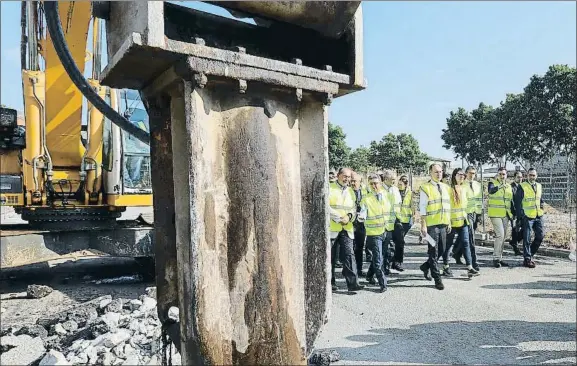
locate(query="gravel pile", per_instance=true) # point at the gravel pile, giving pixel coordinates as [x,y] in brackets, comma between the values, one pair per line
[103,331]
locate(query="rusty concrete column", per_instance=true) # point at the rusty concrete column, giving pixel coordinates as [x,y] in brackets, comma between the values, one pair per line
[239,223]
[250,263]
[158,109]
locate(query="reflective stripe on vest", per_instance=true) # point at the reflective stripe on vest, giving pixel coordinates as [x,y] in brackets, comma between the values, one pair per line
[343,202]
[438,205]
[406,208]
[459,210]
[475,197]
[532,200]
[499,203]
[377,214]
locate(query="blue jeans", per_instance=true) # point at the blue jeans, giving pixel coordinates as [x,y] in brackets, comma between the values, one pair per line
[463,243]
[536,224]
[375,246]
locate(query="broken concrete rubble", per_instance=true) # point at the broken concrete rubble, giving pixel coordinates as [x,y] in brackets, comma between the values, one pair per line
[53,358]
[131,336]
[21,350]
[38,291]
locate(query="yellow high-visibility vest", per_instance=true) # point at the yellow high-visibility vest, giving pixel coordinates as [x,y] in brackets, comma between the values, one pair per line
[532,200]
[475,194]
[499,203]
[342,201]
[378,213]
[459,210]
[438,205]
[394,196]
[406,208]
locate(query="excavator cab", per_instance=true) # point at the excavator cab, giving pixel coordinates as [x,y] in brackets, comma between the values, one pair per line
[125,159]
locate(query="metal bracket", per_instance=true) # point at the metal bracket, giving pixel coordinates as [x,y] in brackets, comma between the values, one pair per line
[242,86]
[200,79]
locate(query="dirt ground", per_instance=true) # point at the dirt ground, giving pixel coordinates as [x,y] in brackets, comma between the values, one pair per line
[17,310]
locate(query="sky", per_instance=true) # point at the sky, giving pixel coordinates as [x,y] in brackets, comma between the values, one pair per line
[422,60]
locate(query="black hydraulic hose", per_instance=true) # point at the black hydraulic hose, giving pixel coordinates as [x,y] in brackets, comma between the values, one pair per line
[61,48]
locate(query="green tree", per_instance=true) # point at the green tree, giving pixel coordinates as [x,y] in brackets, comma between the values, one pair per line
[338,149]
[359,160]
[530,126]
[548,113]
[399,152]
[464,135]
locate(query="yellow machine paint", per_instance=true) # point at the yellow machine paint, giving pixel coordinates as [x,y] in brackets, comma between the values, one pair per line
[63,99]
[55,158]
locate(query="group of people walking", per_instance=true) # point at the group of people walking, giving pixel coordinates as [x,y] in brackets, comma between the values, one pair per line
[368,219]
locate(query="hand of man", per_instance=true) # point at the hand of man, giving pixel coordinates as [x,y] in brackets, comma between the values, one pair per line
[423,231]
[449,228]
[345,220]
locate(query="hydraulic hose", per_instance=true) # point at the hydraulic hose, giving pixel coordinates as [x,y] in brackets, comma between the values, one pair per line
[56,33]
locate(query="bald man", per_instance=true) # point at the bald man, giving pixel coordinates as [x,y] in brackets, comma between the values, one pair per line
[343,212]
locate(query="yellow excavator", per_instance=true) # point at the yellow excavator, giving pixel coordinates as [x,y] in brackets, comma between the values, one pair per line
[238,116]
[57,171]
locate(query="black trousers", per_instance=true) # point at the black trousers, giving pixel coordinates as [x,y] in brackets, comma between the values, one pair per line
[399,234]
[346,255]
[517,232]
[439,234]
[359,245]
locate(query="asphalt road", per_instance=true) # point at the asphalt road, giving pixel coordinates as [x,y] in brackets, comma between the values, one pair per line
[509,316]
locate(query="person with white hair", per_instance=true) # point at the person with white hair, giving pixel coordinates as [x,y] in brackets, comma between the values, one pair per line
[374,213]
[394,227]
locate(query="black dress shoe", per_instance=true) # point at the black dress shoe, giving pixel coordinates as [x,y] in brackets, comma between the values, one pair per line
[356,288]
[439,285]
[504,264]
[371,281]
[398,267]
[383,289]
[496,264]
[529,263]
[361,273]
[426,272]
[472,272]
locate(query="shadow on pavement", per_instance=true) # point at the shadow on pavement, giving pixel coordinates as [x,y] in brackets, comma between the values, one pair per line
[490,342]
[538,285]
[572,296]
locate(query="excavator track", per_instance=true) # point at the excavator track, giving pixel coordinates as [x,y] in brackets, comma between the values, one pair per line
[74,218]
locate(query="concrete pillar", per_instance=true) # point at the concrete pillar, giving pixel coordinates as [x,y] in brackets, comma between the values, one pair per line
[242,229]
[249,265]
